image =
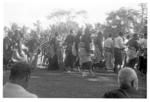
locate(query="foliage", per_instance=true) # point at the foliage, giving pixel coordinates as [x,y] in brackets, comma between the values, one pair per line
[124,20]
[64,27]
[65,20]
[33,42]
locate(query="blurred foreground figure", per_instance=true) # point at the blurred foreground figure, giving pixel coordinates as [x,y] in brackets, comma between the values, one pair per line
[128,82]
[18,82]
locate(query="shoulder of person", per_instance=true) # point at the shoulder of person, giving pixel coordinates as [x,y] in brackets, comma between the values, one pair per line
[33,95]
[27,94]
[117,93]
[10,89]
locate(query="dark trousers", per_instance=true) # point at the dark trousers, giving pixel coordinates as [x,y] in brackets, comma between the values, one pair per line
[70,59]
[118,58]
[131,63]
[143,64]
[86,66]
[53,63]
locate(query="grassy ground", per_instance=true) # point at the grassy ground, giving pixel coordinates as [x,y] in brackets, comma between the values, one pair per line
[47,84]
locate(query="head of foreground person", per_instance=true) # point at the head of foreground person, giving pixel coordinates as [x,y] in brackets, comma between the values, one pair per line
[128,85]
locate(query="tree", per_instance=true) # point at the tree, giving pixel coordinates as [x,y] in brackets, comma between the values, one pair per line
[123,20]
[99,27]
[63,28]
[65,20]
[32,42]
[143,14]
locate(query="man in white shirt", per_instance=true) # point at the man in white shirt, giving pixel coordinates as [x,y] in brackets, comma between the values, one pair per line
[108,47]
[18,82]
[118,47]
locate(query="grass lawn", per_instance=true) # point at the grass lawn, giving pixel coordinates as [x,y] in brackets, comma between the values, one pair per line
[48,84]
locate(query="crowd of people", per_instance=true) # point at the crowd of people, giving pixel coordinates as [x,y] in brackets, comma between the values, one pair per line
[83,51]
[87,50]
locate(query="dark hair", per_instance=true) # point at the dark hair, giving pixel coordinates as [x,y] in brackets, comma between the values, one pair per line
[120,33]
[20,70]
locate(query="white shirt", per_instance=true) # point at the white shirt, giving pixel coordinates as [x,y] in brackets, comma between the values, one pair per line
[118,43]
[11,90]
[108,43]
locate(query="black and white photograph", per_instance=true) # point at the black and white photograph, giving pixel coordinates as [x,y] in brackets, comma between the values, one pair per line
[75,49]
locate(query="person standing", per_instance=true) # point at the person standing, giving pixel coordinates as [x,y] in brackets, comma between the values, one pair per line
[7,49]
[108,54]
[76,49]
[84,54]
[35,58]
[69,60]
[60,57]
[118,47]
[99,42]
[97,54]
[53,60]
[143,56]
[132,52]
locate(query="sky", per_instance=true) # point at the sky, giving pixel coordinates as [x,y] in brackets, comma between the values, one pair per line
[26,12]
